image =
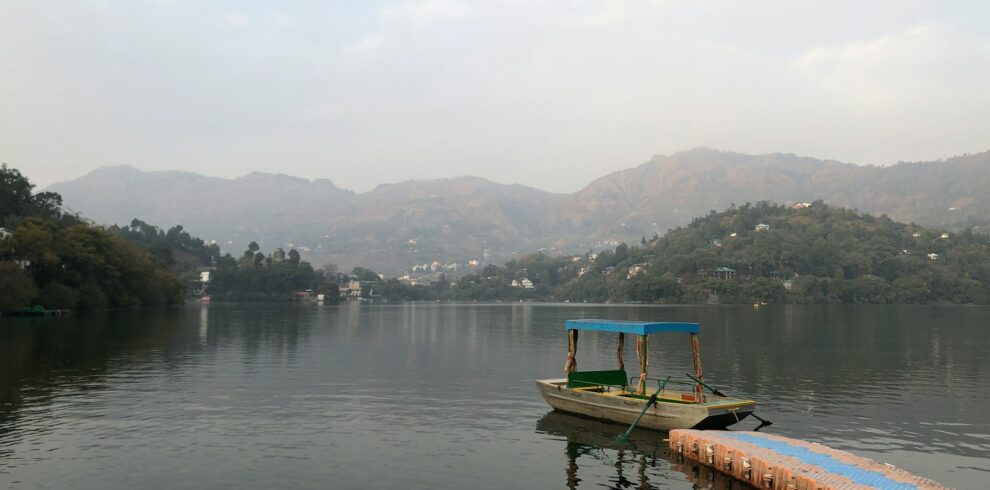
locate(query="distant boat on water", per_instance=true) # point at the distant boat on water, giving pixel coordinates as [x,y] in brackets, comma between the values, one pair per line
[36,311]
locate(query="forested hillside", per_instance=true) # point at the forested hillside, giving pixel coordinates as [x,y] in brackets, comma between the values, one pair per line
[762,252]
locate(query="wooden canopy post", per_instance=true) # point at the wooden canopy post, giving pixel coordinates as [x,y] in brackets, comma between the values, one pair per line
[571,365]
[643,352]
[618,351]
[696,351]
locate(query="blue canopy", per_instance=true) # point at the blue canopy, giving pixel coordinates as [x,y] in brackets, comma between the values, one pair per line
[638,328]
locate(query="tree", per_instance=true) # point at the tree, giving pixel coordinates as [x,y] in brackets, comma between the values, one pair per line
[17,289]
[293,256]
[17,200]
[364,274]
[621,252]
[15,193]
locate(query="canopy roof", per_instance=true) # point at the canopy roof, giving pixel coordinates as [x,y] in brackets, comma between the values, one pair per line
[638,328]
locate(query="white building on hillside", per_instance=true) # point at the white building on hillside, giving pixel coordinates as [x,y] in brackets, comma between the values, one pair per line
[635,270]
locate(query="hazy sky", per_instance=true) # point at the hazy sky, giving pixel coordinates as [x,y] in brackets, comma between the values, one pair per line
[550,93]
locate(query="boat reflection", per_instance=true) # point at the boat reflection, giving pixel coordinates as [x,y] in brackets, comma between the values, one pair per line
[645,462]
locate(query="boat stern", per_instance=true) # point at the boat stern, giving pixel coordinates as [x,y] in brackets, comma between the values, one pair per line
[725,412]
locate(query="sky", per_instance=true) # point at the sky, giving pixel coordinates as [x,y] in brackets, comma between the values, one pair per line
[546,93]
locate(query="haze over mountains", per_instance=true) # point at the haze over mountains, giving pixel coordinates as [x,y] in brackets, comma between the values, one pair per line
[397,225]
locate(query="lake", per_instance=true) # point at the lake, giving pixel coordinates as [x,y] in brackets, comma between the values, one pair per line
[442,395]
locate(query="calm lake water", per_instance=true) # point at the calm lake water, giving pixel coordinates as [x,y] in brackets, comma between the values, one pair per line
[442,396]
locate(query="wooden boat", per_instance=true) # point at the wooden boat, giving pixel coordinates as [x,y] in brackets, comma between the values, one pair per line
[612,395]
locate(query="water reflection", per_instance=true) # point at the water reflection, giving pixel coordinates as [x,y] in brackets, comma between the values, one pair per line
[427,395]
[204,322]
[644,463]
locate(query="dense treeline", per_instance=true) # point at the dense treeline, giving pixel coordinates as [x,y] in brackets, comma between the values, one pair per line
[494,282]
[274,277]
[57,260]
[176,247]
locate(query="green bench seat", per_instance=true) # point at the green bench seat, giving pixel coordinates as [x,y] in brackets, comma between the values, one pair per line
[584,379]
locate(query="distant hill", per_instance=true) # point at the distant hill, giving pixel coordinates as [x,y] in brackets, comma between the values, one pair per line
[397,225]
[262,207]
[669,190]
[392,226]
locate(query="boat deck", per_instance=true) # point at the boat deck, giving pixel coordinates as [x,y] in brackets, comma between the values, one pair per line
[665,396]
[772,461]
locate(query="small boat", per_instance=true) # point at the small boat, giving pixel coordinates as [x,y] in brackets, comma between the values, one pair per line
[612,395]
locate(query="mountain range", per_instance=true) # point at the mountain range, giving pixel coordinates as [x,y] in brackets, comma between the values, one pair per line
[454,220]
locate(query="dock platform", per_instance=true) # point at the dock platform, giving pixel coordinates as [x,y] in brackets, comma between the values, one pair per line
[776,462]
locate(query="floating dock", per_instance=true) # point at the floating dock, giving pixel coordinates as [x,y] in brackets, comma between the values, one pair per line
[777,462]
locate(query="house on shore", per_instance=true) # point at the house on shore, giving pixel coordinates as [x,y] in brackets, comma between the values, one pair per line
[717,273]
[524,283]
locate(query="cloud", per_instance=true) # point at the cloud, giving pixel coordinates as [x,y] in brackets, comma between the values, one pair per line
[367,47]
[427,11]
[925,62]
[541,92]
[236,19]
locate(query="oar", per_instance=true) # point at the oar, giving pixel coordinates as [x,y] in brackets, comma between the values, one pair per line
[624,438]
[763,422]
[702,383]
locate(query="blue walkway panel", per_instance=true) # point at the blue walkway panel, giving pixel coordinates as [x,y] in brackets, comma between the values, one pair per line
[855,473]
